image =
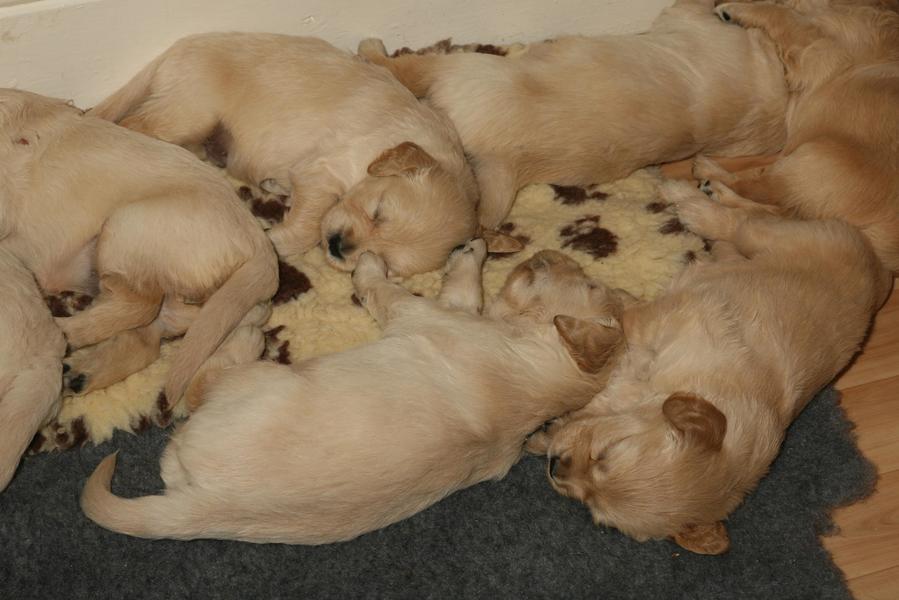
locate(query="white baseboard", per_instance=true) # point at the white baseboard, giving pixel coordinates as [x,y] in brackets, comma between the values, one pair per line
[85,49]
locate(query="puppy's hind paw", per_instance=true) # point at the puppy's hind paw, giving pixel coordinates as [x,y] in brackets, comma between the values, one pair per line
[725,12]
[371,48]
[74,382]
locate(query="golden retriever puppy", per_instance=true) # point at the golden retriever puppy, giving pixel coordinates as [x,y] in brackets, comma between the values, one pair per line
[367,166]
[31,351]
[715,370]
[579,110]
[91,206]
[340,445]
[841,159]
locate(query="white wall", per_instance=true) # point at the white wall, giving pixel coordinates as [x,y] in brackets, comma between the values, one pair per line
[85,49]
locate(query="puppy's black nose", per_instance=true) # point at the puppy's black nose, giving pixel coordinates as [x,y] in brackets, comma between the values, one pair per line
[335,244]
[553,464]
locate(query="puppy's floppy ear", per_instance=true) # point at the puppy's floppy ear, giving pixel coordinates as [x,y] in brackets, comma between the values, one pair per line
[500,243]
[590,342]
[708,538]
[406,159]
[696,419]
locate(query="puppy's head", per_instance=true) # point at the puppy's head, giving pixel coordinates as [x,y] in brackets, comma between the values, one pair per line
[661,469]
[550,284]
[408,210]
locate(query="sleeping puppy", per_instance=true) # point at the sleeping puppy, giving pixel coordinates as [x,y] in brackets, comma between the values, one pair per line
[578,110]
[842,154]
[367,166]
[715,370]
[344,444]
[31,351]
[89,206]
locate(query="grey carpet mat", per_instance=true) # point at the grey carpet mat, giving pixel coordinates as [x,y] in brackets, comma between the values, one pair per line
[510,539]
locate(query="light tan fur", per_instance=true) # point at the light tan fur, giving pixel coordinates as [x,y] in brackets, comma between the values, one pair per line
[841,158]
[368,167]
[88,205]
[578,110]
[340,445]
[715,370]
[31,351]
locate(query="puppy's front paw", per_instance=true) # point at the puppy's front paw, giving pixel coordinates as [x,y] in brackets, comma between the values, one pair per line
[704,217]
[474,250]
[370,268]
[704,168]
[75,380]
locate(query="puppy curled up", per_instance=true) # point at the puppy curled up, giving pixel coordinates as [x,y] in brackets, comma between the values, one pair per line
[579,110]
[715,371]
[367,166]
[160,238]
[340,445]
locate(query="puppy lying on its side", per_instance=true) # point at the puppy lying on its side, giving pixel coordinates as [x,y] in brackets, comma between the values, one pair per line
[368,167]
[31,351]
[842,154]
[344,444]
[715,370]
[87,204]
[578,110]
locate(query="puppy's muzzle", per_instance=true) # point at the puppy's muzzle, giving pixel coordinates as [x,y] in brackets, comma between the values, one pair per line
[339,247]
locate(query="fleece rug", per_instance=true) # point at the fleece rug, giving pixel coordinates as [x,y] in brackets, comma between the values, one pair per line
[513,539]
[620,233]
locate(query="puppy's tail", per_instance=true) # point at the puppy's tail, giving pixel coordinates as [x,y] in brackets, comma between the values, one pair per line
[253,282]
[167,516]
[133,93]
[31,399]
[415,71]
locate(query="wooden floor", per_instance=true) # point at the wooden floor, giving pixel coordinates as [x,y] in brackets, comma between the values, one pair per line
[867,548]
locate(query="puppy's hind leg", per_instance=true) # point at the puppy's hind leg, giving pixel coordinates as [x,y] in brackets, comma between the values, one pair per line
[173,117]
[790,30]
[462,286]
[498,185]
[382,298]
[243,345]
[119,307]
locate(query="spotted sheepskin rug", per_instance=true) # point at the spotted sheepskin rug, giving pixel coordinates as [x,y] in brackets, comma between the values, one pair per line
[621,233]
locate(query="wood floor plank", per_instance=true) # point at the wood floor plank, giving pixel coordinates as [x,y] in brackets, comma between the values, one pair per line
[883,585]
[880,356]
[867,549]
[868,541]
[874,408]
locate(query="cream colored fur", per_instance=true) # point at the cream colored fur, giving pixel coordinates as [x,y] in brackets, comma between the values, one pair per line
[582,110]
[302,117]
[841,159]
[715,371]
[325,319]
[347,443]
[91,205]
[31,351]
